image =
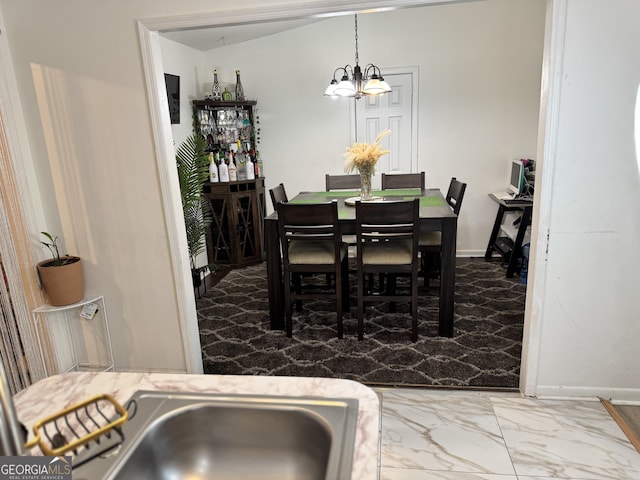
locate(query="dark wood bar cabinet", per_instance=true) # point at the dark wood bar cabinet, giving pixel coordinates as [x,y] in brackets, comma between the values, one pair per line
[235,237]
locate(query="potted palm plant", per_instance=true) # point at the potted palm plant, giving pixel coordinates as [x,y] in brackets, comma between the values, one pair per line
[192,161]
[61,277]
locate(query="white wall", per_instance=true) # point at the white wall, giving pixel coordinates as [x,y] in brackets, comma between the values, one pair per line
[479,92]
[85,107]
[184,62]
[585,327]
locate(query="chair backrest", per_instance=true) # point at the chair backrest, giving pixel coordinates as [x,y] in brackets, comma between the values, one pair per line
[341,182]
[455,194]
[402,180]
[278,195]
[379,222]
[308,223]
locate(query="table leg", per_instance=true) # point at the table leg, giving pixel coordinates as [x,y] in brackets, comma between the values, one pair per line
[274,274]
[447,276]
[494,233]
[525,220]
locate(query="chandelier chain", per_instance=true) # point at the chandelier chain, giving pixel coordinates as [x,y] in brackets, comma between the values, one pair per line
[354,82]
[356,22]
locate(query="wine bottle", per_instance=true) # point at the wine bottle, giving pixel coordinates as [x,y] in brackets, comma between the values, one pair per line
[216,92]
[239,90]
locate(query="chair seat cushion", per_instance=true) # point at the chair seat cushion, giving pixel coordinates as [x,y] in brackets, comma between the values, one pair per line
[398,252]
[430,239]
[314,253]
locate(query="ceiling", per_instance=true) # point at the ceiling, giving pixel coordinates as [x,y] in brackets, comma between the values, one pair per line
[205,39]
[209,38]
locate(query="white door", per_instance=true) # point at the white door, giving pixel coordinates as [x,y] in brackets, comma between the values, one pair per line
[395,111]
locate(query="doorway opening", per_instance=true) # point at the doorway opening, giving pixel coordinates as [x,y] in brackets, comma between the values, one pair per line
[153,70]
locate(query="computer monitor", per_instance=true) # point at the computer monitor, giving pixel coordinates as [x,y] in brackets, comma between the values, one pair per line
[516,179]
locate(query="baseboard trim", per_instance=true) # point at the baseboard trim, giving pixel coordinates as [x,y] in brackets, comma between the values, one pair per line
[470,253]
[586,393]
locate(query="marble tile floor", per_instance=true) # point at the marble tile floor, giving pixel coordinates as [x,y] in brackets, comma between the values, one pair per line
[483,435]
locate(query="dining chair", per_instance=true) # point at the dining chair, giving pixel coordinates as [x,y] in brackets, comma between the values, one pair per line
[387,234]
[402,180]
[430,242]
[342,182]
[278,194]
[310,240]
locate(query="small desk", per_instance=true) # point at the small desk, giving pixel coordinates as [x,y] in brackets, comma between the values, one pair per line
[435,215]
[526,206]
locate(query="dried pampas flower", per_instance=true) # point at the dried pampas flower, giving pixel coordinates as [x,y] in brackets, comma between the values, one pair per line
[365,154]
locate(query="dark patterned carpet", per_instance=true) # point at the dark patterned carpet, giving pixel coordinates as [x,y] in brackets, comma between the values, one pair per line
[484,352]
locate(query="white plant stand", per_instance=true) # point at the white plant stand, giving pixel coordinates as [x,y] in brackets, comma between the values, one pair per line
[86,343]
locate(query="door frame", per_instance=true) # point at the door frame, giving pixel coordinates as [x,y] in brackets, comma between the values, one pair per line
[148,30]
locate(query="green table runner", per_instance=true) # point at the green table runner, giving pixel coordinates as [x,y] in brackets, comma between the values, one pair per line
[305,200]
[342,213]
[407,194]
[432,202]
[400,192]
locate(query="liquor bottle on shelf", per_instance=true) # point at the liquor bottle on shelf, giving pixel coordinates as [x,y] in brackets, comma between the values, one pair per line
[216,92]
[251,172]
[233,171]
[259,163]
[223,171]
[241,165]
[213,169]
[239,89]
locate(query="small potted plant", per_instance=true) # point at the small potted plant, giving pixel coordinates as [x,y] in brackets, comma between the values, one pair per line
[61,277]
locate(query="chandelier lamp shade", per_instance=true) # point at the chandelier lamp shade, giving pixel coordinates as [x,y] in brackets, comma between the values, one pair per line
[354,82]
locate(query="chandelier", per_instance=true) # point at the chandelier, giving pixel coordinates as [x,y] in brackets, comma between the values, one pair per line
[355,83]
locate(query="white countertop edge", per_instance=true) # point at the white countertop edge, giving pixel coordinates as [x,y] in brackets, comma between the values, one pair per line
[60,391]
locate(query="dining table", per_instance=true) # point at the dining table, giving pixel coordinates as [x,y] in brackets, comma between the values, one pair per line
[435,214]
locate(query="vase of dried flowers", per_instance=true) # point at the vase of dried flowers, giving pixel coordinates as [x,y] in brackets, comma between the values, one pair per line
[365,183]
[363,157]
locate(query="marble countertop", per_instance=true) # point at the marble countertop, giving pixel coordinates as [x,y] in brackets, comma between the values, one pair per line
[60,391]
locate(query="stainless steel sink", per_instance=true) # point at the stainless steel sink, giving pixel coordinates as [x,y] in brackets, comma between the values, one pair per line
[209,436]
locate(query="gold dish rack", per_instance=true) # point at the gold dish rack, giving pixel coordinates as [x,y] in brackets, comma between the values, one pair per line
[91,425]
